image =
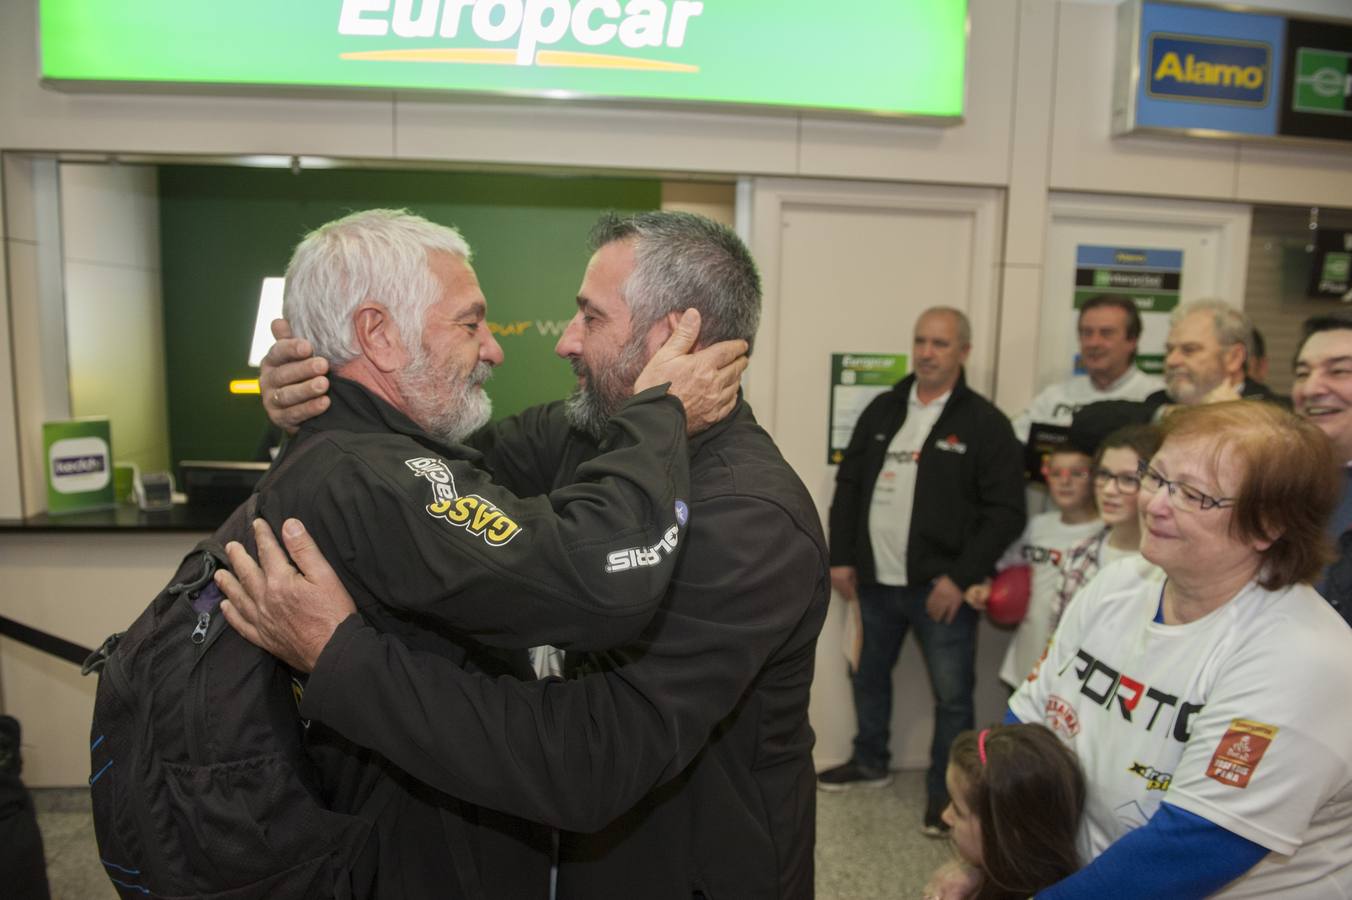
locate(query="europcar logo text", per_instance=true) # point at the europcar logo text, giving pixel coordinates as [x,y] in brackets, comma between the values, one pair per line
[1209,70]
[528,29]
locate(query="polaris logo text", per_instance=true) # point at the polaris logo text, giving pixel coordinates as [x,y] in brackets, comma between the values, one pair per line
[1209,70]
[638,557]
[527,25]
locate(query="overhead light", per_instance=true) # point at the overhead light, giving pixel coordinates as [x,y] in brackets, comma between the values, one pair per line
[269,308]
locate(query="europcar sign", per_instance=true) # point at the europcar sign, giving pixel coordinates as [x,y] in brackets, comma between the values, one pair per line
[1203,71]
[891,57]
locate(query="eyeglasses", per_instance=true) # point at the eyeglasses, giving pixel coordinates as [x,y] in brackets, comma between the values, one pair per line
[1127,482]
[1181,496]
[1077,474]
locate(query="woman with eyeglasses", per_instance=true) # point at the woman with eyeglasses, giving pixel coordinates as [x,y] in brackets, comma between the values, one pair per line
[1117,485]
[1208,706]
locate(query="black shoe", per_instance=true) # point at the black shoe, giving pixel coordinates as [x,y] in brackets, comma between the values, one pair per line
[935,826]
[853,775]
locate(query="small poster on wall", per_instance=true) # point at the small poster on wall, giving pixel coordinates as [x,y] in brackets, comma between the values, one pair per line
[1150,277]
[1331,272]
[856,378]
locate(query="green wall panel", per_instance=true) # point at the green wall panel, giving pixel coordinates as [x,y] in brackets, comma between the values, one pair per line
[224,229]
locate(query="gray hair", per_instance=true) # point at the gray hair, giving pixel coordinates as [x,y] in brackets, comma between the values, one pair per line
[378,255]
[682,260]
[964,324]
[1231,325]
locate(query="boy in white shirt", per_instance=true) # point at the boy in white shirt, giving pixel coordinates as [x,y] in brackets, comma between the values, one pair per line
[1042,547]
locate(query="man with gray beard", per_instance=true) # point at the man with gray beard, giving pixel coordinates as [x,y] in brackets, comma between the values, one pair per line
[679,764]
[447,567]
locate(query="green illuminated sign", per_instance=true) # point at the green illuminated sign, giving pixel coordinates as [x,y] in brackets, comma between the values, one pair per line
[898,57]
[1323,82]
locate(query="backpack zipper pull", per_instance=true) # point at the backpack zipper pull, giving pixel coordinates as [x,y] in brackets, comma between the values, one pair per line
[199,634]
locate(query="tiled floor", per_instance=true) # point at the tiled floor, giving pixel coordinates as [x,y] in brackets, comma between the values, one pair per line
[868,843]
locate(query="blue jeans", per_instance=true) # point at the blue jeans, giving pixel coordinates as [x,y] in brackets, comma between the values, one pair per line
[887,613]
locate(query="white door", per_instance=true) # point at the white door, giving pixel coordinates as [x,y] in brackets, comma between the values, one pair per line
[847,267]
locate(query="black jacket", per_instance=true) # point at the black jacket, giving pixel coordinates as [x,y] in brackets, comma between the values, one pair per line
[442,563]
[969,503]
[679,764]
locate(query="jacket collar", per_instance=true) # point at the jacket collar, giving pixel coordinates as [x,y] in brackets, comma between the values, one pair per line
[903,388]
[741,413]
[355,409]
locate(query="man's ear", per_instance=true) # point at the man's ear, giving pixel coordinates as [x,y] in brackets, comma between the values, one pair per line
[378,337]
[661,330]
[1235,357]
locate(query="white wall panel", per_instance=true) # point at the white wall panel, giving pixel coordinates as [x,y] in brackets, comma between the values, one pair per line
[110,215]
[537,133]
[1302,175]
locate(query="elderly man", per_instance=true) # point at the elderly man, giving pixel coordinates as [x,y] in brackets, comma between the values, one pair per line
[1209,343]
[928,495]
[1109,329]
[1322,392]
[680,764]
[441,560]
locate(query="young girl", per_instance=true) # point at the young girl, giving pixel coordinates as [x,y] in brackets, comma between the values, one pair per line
[1043,547]
[1017,794]
[1116,483]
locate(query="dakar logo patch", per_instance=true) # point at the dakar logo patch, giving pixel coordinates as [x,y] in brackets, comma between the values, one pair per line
[1239,752]
[1061,717]
[951,444]
[471,512]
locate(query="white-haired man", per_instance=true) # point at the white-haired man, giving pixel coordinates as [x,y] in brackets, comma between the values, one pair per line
[1205,355]
[678,765]
[444,564]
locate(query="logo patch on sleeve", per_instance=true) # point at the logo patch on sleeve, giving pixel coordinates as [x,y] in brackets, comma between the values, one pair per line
[471,512]
[641,557]
[1237,756]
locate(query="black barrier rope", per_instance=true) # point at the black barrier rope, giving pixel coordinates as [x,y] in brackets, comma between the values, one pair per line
[47,643]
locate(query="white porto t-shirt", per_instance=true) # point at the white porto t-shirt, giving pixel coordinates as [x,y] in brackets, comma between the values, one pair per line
[1241,717]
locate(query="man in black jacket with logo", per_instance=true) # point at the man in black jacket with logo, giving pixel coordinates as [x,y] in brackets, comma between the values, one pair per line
[928,495]
[679,764]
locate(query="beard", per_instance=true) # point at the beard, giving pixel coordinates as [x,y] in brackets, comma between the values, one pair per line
[1185,388]
[599,393]
[450,409]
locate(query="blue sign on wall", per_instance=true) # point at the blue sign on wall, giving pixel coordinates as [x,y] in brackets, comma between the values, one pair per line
[1209,69]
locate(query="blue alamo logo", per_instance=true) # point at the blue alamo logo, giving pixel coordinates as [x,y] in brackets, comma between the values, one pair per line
[1209,70]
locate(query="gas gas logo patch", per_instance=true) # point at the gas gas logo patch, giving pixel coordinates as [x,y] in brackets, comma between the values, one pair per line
[477,515]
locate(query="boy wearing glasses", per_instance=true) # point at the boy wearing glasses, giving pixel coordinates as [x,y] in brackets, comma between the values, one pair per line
[1045,542]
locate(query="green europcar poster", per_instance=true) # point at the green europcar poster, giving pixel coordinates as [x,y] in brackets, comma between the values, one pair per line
[889,57]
